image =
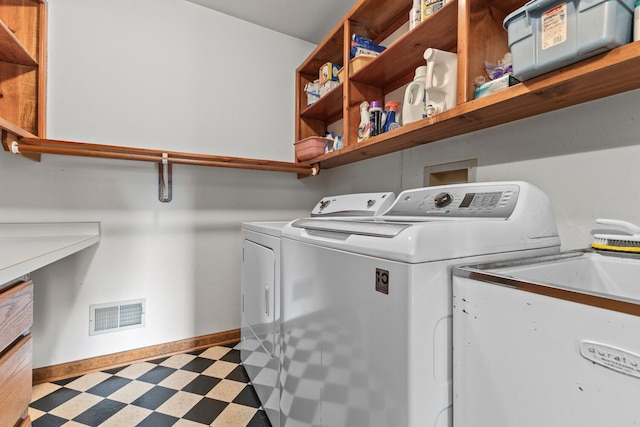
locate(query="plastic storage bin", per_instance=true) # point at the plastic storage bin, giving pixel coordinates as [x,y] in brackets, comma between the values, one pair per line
[309,148]
[545,35]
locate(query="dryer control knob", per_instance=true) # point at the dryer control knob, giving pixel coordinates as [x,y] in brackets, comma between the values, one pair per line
[442,199]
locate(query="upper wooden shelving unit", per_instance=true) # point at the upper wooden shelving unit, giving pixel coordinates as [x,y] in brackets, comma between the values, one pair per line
[23,66]
[474,30]
[471,28]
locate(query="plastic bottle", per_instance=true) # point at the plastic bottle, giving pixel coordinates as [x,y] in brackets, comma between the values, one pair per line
[375,117]
[415,15]
[636,22]
[364,130]
[391,121]
[414,97]
[441,80]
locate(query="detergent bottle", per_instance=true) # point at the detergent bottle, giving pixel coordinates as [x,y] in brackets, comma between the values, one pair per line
[414,97]
[415,15]
[364,130]
[375,117]
[391,112]
[440,80]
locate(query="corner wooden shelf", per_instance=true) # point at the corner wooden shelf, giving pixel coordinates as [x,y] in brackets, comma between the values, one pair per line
[12,50]
[605,75]
[474,31]
[23,67]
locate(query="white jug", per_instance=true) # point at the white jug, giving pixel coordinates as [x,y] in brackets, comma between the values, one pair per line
[414,97]
[441,81]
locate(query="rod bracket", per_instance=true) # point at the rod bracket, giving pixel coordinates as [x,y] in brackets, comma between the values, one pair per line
[164,179]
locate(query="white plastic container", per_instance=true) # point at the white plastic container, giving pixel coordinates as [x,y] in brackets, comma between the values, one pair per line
[441,81]
[636,22]
[415,15]
[545,35]
[414,97]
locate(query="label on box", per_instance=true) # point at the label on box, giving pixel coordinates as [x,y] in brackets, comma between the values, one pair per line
[328,72]
[554,26]
[429,7]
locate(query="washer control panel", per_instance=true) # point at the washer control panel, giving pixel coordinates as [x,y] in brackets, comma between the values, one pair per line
[461,200]
[359,204]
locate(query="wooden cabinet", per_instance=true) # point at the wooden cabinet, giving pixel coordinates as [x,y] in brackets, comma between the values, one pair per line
[16,317]
[471,28]
[23,67]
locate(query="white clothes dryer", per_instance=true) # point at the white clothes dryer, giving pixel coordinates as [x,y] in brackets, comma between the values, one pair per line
[260,318]
[366,304]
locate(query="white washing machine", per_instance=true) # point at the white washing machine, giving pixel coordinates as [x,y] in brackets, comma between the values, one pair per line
[549,341]
[260,319]
[366,304]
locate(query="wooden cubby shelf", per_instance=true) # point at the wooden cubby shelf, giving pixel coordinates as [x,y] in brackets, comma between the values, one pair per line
[12,50]
[473,30]
[23,67]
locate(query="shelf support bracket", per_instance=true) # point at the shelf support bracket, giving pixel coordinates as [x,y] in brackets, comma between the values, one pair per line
[164,179]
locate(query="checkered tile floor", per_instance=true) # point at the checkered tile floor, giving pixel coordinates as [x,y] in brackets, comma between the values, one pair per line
[206,387]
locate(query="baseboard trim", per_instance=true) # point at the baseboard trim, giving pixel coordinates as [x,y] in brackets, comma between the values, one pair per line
[108,361]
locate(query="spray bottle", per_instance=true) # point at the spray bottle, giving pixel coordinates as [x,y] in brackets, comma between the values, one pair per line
[364,130]
[391,111]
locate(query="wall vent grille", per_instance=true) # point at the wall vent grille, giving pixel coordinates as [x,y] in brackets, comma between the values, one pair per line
[116,316]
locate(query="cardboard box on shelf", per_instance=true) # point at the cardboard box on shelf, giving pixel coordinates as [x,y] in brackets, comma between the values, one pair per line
[328,72]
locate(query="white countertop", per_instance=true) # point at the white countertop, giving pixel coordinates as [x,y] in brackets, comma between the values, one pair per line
[30,246]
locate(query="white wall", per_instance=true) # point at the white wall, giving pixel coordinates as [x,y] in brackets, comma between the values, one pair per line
[170,75]
[584,157]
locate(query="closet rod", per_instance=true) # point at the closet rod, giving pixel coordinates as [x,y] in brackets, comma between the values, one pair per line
[68,148]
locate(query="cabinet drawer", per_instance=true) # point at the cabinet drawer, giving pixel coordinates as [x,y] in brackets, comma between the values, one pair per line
[16,312]
[15,382]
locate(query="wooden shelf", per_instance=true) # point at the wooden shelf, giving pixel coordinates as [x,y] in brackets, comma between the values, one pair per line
[14,129]
[594,78]
[23,66]
[12,50]
[329,50]
[329,105]
[396,65]
[377,20]
[472,29]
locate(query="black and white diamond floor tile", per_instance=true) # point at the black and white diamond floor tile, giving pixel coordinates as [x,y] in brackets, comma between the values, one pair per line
[203,388]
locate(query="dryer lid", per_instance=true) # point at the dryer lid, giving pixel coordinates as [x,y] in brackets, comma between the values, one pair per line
[362,228]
